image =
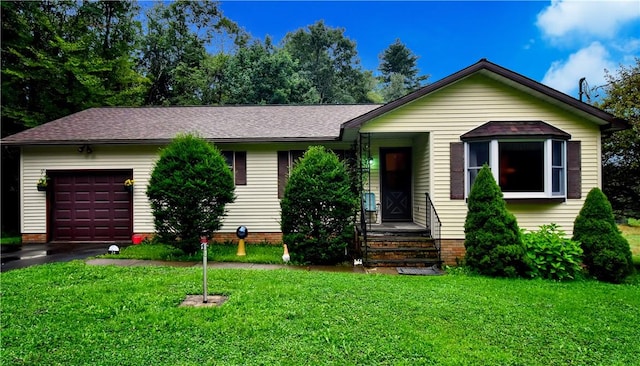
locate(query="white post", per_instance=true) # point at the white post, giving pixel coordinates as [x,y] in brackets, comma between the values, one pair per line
[203,246]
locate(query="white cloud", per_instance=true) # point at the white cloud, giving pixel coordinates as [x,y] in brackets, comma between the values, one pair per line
[589,62]
[567,19]
[628,46]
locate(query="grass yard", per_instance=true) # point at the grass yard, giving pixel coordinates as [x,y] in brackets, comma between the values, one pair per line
[73,313]
[10,240]
[632,233]
[219,252]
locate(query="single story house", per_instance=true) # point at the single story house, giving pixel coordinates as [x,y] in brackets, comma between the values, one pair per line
[418,155]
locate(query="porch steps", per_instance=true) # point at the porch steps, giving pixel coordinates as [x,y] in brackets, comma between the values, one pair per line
[401,249]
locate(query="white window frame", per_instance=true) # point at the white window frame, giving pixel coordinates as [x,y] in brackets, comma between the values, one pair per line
[494,161]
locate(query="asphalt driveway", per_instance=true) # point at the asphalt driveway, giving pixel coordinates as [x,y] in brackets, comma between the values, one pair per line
[21,256]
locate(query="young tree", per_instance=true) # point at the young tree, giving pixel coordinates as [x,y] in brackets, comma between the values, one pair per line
[397,59]
[621,150]
[318,208]
[606,252]
[492,237]
[188,190]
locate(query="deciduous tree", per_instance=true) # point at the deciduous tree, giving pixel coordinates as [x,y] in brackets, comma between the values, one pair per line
[621,150]
[174,49]
[330,60]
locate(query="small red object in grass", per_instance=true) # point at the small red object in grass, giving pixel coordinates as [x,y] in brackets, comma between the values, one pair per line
[136,239]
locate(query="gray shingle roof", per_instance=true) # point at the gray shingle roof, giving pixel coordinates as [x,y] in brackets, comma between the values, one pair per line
[128,125]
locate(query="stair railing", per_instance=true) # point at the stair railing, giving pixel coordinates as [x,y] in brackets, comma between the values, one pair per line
[363,228]
[434,224]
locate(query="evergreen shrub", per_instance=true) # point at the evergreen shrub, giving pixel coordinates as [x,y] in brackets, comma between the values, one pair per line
[492,237]
[189,187]
[551,254]
[607,254]
[318,209]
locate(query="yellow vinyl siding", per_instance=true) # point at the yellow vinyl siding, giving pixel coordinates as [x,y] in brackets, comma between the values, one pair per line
[450,112]
[257,205]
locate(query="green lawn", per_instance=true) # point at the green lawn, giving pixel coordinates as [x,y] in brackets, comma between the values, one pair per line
[73,313]
[632,233]
[10,240]
[219,252]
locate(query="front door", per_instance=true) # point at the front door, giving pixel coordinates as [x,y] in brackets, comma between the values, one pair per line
[395,175]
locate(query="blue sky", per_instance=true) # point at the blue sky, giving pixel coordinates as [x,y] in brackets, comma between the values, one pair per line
[554,42]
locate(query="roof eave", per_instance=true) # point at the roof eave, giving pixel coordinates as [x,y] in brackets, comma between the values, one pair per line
[166,141]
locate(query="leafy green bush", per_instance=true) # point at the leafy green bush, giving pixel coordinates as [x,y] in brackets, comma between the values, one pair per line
[318,209]
[188,190]
[552,256]
[606,252]
[492,237]
[633,222]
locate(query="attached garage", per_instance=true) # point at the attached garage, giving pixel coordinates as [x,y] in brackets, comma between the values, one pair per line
[86,206]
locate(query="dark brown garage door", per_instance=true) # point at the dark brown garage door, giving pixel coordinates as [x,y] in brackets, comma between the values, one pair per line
[91,206]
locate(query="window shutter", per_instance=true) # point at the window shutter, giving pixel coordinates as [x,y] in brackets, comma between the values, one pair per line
[241,168]
[456,170]
[574,172]
[283,171]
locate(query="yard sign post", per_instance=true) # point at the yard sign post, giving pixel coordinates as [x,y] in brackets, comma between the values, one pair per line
[203,246]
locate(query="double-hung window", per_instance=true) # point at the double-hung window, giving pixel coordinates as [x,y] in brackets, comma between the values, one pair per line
[528,159]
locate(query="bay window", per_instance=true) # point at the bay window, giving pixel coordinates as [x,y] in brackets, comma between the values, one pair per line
[522,168]
[530,160]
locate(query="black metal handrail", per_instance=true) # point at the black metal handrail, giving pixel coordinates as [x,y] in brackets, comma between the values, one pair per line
[434,224]
[363,228]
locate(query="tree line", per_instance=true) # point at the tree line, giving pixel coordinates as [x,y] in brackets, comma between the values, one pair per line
[60,57]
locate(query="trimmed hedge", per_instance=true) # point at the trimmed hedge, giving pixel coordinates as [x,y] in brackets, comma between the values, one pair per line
[188,190]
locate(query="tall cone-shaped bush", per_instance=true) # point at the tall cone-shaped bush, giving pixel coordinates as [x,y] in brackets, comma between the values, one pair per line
[492,237]
[607,254]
